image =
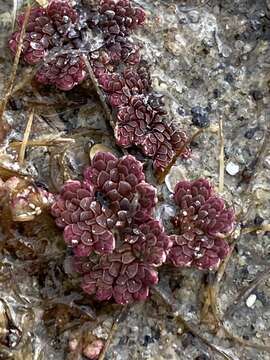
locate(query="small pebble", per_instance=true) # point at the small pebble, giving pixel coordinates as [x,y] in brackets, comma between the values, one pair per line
[232,168]
[200,117]
[251,300]
[148,339]
[181,111]
[216,93]
[250,133]
[258,220]
[256,94]
[229,78]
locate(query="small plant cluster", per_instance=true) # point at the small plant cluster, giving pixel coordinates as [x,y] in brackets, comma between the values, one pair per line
[108,218]
[52,38]
[140,116]
[108,221]
[202,223]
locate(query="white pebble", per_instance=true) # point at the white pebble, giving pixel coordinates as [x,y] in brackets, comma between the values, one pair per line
[267,162]
[232,168]
[251,300]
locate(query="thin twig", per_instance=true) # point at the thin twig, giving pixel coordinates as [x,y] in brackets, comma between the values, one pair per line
[15,64]
[221,157]
[26,79]
[251,169]
[26,136]
[14,13]
[189,327]
[214,292]
[113,330]
[261,228]
[99,92]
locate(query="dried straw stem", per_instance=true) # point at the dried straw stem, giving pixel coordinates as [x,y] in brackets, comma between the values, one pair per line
[15,65]
[221,157]
[26,136]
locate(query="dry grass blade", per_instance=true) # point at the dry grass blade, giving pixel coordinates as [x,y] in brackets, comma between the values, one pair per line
[44,142]
[14,13]
[117,319]
[26,136]
[262,228]
[27,76]
[221,157]
[15,65]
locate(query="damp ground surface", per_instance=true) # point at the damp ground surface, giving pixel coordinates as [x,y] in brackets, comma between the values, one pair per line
[211,61]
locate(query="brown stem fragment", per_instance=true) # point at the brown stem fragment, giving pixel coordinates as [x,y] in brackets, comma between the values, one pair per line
[99,92]
[26,136]
[122,313]
[213,291]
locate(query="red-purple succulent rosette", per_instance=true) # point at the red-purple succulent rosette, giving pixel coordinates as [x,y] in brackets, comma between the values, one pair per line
[202,222]
[63,71]
[48,31]
[38,33]
[140,116]
[107,220]
[121,87]
[127,274]
[120,276]
[116,19]
[140,124]
[112,191]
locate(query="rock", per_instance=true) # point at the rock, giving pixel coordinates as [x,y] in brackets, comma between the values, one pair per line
[232,168]
[176,174]
[251,300]
[249,134]
[200,117]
